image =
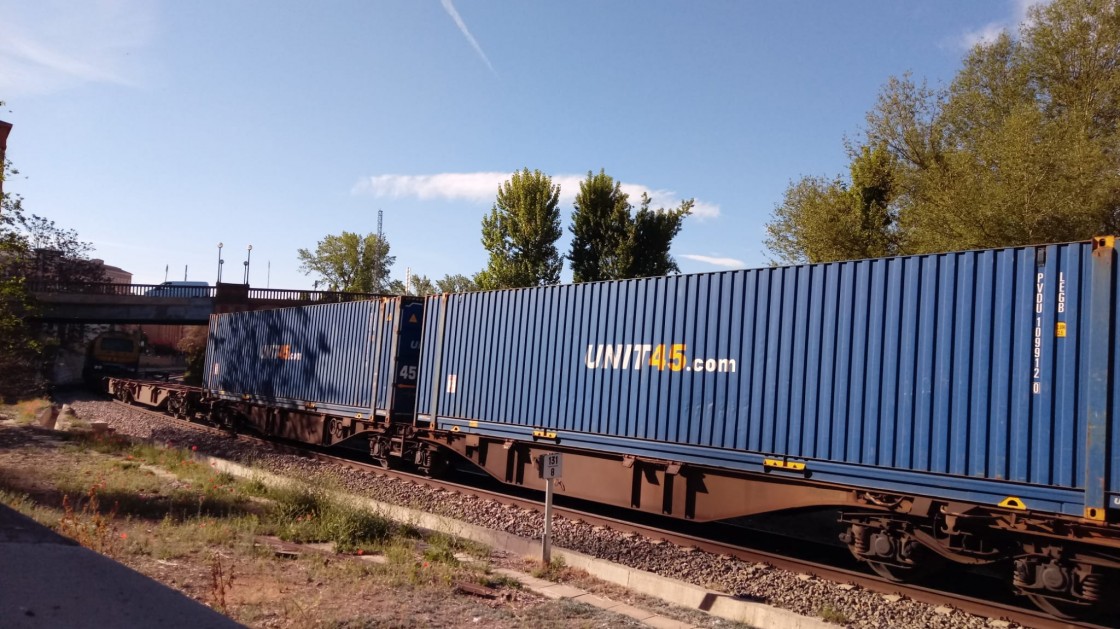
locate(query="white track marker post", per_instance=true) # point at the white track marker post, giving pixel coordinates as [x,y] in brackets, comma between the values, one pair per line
[550,467]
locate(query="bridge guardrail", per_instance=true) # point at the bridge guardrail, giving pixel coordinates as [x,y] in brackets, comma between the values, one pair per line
[235,291]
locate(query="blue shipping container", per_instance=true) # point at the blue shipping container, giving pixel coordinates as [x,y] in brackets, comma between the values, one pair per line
[349,358]
[974,375]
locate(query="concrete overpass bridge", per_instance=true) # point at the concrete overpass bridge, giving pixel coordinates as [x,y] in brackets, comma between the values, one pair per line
[150,303]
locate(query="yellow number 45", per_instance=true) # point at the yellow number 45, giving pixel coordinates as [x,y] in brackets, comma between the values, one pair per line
[676,357]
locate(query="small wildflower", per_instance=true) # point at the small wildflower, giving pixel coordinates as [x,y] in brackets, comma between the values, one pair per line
[194,448]
[124,535]
[361,552]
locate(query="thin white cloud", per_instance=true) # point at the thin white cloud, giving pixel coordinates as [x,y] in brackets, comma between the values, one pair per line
[478,187]
[730,263]
[659,198]
[986,35]
[450,8]
[991,31]
[481,187]
[50,45]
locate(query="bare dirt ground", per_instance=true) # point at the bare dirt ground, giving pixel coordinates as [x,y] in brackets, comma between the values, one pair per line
[207,535]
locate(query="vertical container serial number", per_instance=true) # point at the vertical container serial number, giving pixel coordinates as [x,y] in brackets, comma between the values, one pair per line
[1036,370]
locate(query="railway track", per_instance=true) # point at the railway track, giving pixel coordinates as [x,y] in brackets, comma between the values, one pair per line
[1025,616]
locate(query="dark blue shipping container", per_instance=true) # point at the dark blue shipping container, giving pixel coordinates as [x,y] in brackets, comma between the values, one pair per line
[356,359]
[978,375]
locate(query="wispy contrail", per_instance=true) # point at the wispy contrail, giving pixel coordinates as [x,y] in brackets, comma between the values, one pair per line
[450,8]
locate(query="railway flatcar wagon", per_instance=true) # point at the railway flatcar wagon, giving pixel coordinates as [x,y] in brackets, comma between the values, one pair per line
[953,406]
[320,374]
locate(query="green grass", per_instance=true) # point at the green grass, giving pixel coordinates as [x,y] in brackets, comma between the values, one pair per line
[405,569]
[301,513]
[551,572]
[137,490]
[25,412]
[153,482]
[26,505]
[499,581]
[144,500]
[833,615]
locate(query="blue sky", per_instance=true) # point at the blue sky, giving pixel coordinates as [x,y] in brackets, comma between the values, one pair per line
[158,129]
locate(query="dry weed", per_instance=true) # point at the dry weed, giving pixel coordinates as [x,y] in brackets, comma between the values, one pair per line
[221,580]
[88,526]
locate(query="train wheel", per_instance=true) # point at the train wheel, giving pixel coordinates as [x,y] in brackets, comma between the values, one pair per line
[432,464]
[892,553]
[379,451]
[177,406]
[1062,584]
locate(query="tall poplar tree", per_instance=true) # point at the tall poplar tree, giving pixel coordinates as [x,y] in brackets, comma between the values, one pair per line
[520,233]
[601,230]
[609,243]
[651,236]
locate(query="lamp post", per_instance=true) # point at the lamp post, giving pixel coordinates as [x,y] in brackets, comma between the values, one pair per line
[248,256]
[220,262]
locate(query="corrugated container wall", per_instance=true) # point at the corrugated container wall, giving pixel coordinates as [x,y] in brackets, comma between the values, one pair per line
[968,364]
[355,357]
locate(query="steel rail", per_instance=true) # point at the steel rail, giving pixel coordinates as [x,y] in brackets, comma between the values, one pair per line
[1025,616]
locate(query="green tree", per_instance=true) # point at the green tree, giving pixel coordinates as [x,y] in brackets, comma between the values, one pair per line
[520,233]
[1023,147]
[651,236]
[418,285]
[609,243]
[48,252]
[455,284]
[22,359]
[601,230]
[349,262]
[824,221]
[422,285]
[193,344]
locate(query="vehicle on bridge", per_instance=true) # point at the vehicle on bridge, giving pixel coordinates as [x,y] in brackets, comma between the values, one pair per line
[180,289]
